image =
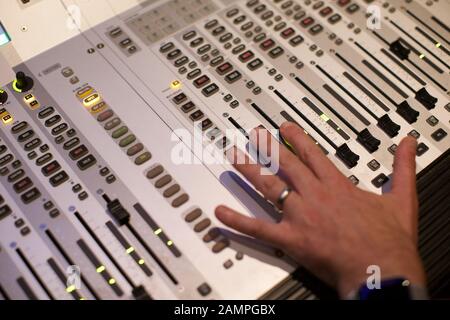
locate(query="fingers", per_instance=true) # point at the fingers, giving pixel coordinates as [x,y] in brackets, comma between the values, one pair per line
[309,152]
[404,176]
[269,185]
[290,168]
[404,185]
[263,230]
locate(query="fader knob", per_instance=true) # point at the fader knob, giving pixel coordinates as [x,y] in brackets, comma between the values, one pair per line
[23,83]
[3,97]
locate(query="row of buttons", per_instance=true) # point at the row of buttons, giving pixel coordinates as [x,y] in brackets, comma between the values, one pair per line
[21,183]
[200,82]
[208,232]
[6,211]
[123,41]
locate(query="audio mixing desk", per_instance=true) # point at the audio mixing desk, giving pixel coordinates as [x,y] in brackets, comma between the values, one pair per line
[96,98]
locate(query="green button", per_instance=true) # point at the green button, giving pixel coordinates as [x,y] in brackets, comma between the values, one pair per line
[143,158]
[120,132]
[125,142]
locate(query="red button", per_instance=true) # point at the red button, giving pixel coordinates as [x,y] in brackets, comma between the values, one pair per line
[266,45]
[307,22]
[325,11]
[287,33]
[343,2]
[246,56]
[224,68]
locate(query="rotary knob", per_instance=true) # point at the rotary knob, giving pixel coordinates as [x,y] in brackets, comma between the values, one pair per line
[23,83]
[3,97]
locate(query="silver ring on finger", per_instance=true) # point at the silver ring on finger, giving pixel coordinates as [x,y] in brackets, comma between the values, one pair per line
[283,196]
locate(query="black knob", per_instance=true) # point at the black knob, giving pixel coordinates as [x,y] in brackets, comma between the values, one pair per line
[3,97]
[23,82]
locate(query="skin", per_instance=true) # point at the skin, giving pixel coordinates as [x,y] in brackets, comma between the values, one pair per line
[330,226]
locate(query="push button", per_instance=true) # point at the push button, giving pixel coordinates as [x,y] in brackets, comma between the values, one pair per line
[51,168]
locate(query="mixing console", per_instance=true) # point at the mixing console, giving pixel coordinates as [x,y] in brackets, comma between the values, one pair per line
[107,93]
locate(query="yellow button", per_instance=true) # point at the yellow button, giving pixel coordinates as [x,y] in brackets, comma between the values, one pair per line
[5,116]
[34,105]
[98,107]
[83,93]
[92,100]
[29,97]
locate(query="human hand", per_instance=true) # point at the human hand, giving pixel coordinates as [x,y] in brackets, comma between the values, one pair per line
[330,226]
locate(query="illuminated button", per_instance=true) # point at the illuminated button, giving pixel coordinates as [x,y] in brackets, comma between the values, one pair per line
[343,3]
[267,44]
[91,100]
[433,121]
[86,162]
[83,93]
[202,81]
[325,11]
[134,150]
[28,98]
[210,90]
[78,152]
[34,105]
[143,158]
[246,56]
[59,179]
[289,32]
[51,168]
[224,68]
[30,196]
[112,124]
[6,117]
[307,22]
[255,64]
[98,107]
